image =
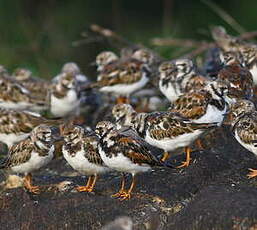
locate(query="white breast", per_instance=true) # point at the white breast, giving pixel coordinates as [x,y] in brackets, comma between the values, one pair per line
[122,164]
[82,165]
[124,89]
[61,107]
[170,92]
[180,141]
[254,73]
[34,163]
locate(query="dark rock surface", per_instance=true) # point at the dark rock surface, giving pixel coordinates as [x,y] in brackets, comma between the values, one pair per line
[212,193]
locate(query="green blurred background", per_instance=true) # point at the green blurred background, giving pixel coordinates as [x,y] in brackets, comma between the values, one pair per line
[39,34]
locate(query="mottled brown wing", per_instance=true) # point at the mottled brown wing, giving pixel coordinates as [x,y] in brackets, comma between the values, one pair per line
[191,105]
[240,79]
[136,149]
[91,150]
[247,128]
[19,153]
[195,83]
[126,72]
[169,125]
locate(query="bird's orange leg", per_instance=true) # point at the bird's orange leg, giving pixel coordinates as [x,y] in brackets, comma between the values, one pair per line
[165,156]
[28,184]
[89,186]
[253,173]
[186,163]
[122,100]
[127,195]
[122,187]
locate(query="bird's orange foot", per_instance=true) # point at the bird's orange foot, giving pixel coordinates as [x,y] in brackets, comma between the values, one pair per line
[119,194]
[253,173]
[165,156]
[33,189]
[84,189]
[184,164]
[125,196]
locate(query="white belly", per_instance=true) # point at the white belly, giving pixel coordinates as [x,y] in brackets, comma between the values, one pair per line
[82,165]
[175,143]
[170,92]
[12,138]
[61,107]
[123,89]
[122,164]
[212,115]
[34,163]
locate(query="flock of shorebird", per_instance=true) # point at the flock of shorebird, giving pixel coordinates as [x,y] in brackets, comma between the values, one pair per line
[142,134]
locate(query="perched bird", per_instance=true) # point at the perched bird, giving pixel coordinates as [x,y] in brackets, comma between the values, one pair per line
[165,130]
[239,78]
[17,125]
[31,154]
[15,96]
[125,76]
[244,127]
[178,77]
[123,150]
[36,86]
[207,105]
[64,97]
[81,152]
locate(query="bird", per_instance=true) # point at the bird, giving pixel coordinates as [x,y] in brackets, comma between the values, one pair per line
[238,77]
[81,152]
[16,125]
[207,105]
[165,130]
[64,96]
[14,96]
[124,76]
[177,77]
[105,58]
[123,150]
[36,86]
[244,127]
[31,154]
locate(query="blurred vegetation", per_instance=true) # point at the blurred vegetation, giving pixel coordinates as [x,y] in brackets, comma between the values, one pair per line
[39,34]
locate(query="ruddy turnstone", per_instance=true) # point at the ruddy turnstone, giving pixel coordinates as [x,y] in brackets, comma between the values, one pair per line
[31,154]
[123,150]
[37,87]
[125,76]
[81,152]
[64,98]
[244,127]
[207,105]
[15,96]
[238,77]
[178,77]
[105,58]
[165,130]
[16,125]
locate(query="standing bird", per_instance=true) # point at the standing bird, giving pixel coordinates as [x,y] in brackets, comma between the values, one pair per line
[64,96]
[17,125]
[31,154]
[81,152]
[178,77]
[244,127]
[123,150]
[165,130]
[124,76]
